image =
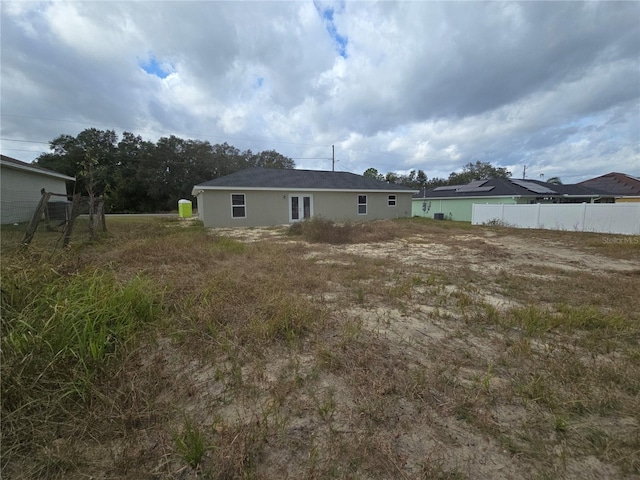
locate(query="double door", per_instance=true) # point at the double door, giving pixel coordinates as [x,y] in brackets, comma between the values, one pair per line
[300,207]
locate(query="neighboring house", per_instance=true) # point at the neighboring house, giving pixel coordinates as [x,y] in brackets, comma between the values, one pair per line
[21,185]
[268,196]
[625,187]
[455,202]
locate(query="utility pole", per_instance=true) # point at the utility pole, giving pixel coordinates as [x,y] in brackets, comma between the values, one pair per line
[333,158]
[524,172]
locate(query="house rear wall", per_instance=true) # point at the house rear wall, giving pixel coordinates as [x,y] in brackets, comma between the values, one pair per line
[265,208]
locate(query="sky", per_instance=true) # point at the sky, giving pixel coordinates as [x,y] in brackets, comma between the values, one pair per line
[395,86]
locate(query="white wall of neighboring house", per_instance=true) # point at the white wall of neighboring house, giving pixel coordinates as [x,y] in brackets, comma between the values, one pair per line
[617,218]
[20,193]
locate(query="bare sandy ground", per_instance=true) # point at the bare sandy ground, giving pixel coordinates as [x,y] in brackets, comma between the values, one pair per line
[413,331]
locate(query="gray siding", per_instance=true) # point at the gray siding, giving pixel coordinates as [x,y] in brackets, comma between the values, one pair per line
[266,208]
[20,193]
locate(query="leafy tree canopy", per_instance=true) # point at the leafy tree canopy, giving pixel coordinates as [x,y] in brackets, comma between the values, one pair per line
[477,171]
[418,179]
[555,181]
[134,175]
[373,173]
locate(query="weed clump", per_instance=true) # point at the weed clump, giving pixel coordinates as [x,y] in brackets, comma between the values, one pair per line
[322,230]
[190,444]
[58,336]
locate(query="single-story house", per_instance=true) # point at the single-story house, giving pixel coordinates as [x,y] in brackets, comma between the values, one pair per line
[625,187]
[269,196]
[21,187]
[455,202]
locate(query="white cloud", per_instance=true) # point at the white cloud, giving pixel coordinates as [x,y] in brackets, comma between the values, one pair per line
[424,85]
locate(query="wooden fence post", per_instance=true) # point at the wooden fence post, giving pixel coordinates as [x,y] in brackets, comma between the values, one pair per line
[99,223]
[75,206]
[37,215]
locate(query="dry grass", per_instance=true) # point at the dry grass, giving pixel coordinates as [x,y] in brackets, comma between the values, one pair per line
[406,349]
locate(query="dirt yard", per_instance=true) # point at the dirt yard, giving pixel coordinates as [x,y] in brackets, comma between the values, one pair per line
[426,373]
[422,350]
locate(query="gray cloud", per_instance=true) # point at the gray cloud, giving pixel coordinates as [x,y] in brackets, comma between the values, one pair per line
[554,85]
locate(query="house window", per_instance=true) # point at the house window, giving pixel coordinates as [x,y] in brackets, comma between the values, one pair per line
[238,205]
[362,204]
[392,200]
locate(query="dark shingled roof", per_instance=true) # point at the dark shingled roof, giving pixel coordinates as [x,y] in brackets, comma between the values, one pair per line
[300,179]
[615,183]
[507,187]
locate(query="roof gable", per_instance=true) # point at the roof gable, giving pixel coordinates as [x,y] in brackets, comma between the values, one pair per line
[292,179]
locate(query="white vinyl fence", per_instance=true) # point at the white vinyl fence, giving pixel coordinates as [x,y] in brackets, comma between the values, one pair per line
[622,218]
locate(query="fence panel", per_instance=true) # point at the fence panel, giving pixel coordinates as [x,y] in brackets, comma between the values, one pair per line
[620,218]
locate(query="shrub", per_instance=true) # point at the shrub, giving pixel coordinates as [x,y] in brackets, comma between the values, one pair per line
[322,230]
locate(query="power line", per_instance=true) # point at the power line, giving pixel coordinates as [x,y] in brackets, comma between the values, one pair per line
[24,141]
[245,139]
[203,135]
[19,150]
[346,168]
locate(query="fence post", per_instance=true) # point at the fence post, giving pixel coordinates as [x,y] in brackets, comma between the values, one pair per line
[75,206]
[538,216]
[99,223]
[584,215]
[37,215]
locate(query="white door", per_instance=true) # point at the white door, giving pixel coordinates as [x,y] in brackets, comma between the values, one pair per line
[300,207]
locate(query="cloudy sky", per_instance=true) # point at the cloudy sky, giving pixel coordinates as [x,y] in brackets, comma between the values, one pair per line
[395,86]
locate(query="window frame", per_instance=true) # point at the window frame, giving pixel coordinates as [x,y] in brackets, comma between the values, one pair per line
[392,198]
[243,206]
[362,204]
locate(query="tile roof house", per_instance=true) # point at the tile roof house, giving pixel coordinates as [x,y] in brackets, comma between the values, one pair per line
[625,187]
[268,196]
[455,201]
[21,186]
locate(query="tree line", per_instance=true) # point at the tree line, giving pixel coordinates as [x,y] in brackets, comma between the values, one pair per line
[418,179]
[135,176]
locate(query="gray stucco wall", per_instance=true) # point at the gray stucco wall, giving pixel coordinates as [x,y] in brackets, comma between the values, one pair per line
[20,193]
[265,208]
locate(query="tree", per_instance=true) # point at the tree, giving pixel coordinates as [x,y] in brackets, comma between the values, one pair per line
[270,159]
[477,171]
[555,181]
[421,179]
[436,182]
[71,157]
[134,175]
[129,192]
[391,177]
[373,173]
[412,179]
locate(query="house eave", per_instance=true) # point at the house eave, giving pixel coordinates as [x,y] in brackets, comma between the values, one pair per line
[26,168]
[482,197]
[201,188]
[586,196]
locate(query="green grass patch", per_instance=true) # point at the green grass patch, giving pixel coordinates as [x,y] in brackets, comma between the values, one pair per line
[536,320]
[190,443]
[59,332]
